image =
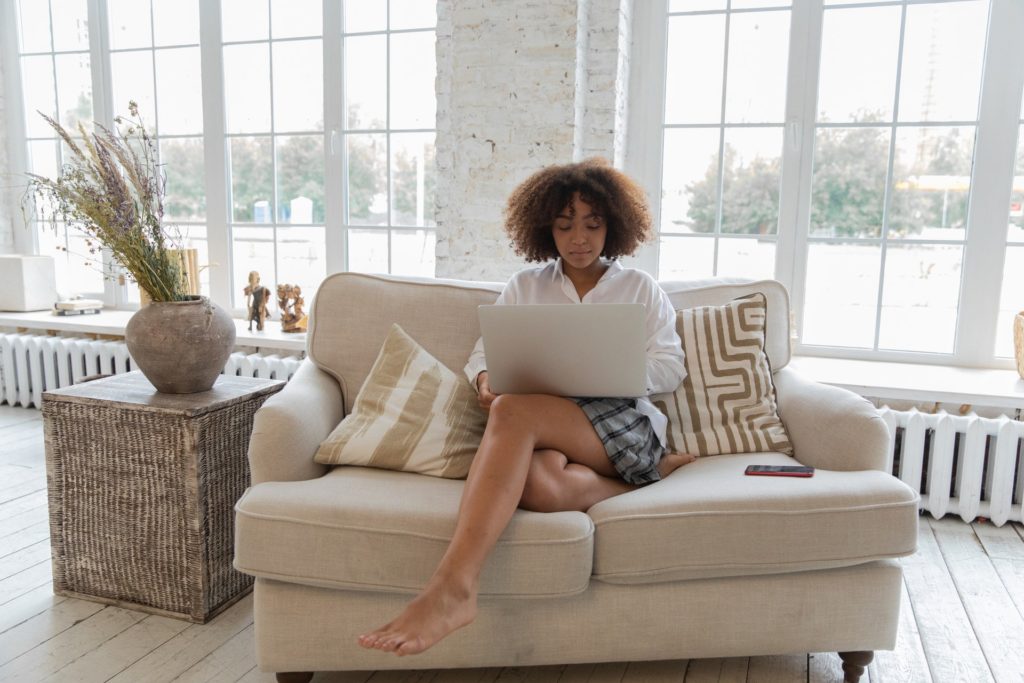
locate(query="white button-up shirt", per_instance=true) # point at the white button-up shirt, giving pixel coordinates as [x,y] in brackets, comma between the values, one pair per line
[549,285]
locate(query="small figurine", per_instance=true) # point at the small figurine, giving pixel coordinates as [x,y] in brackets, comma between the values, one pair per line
[289,302]
[256,296]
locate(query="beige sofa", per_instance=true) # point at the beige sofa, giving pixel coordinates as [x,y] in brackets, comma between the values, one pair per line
[707,563]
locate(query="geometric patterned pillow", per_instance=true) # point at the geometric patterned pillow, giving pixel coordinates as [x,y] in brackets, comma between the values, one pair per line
[726,403]
[411,414]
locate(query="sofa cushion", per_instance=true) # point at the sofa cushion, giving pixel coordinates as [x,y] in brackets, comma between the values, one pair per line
[707,519]
[726,402]
[411,414]
[369,529]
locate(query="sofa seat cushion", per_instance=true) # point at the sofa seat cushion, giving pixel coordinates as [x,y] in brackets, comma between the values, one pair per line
[708,519]
[369,529]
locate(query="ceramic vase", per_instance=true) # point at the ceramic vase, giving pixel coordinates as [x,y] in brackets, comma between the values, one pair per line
[180,346]
[1018,342]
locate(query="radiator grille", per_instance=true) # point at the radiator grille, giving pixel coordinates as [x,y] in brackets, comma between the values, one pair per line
[960,464]
[32,364]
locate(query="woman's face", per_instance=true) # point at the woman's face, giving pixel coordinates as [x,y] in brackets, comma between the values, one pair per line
[579,234]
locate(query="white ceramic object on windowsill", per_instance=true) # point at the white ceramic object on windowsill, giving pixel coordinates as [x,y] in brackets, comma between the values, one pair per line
[27,283]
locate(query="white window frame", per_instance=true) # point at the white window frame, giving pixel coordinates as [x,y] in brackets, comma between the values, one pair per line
[214,136]
[998,124]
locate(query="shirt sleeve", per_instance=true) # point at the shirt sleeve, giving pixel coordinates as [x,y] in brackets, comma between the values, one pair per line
[477,363]
[665,368]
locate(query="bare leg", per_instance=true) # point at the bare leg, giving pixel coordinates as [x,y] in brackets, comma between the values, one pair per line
[517,426]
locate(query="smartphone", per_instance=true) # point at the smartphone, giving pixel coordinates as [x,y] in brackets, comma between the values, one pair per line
[780,470]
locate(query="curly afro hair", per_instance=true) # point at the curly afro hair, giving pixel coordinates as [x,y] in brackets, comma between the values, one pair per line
[534,205]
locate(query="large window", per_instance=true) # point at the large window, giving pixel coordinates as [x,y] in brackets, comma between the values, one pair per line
[296,136]
[855,150]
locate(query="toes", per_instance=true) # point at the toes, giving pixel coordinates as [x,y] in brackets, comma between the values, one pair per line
[410,647]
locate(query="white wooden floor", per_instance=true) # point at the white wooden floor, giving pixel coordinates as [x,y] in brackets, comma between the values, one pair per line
[961,619]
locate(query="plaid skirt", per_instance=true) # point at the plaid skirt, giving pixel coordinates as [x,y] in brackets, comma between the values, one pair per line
[628,437]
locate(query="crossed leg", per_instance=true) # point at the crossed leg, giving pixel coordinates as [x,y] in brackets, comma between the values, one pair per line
[518,425]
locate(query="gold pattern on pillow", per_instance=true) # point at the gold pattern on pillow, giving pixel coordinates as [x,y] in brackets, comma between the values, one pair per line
[726,403]
[412,414]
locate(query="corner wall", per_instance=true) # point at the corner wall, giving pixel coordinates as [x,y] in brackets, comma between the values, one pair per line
[520,86]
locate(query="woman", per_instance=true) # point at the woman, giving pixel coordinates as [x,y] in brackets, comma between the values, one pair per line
[548,453]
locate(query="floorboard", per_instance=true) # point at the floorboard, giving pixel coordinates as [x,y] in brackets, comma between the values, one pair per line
[962,615]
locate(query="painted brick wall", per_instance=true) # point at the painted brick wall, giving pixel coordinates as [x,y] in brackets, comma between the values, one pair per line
[6,179]
[520,86]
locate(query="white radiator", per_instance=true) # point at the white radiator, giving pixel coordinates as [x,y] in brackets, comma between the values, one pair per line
[960,464]
[32,364]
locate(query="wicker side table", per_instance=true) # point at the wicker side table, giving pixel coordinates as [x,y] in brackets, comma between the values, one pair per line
[142,487]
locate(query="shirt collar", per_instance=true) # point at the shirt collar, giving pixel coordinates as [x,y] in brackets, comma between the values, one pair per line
[614,268]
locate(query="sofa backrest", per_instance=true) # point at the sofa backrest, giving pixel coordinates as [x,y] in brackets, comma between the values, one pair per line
[352,313]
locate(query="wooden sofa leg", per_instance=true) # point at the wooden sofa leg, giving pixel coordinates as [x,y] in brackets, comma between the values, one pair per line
[294,676]
[854,664]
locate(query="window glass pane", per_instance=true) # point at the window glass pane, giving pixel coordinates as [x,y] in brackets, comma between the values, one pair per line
[848,186]
[132,74]
[244,20]
[42,157]
[84,266]
[943,48]
[751,4]
[130,24]
[296,18]
[694,95]
[34,25]
[758,54]
[298,85]
[300,260]
[412,252]
[695,5]
[413,179]
[413,72]
[1011,301]
[247,88]
[366,15]
[300,179]
[1015,230]
[932,176]
[857,84]
[366,80]
[841,295]
[689,195]
[750,186]
[920,298]
[176,22]
[367,180]
[746,258]
[74,90]
[70,24]
[179,91]
[252,249]
[686,258]
[413,14]
[252,180]
[185,169]
[37,90]
[368,251]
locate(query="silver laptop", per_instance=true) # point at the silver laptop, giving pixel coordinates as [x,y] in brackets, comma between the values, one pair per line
[566,349]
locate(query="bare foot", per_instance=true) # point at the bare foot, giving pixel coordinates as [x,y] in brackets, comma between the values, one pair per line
[670,462]
[440,609]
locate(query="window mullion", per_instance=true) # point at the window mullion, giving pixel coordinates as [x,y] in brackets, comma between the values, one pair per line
[336,191]
[215,152]
[991,186]
[103,113]
[26,239]
[645,127]
[798,151]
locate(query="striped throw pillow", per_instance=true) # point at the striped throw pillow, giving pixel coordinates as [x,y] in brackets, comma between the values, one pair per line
[412,414]
[726,403]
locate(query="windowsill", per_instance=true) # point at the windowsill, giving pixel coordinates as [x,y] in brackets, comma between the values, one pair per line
[918,383]
[113,322]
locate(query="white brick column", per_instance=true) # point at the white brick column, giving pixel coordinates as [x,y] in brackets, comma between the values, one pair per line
[520,85]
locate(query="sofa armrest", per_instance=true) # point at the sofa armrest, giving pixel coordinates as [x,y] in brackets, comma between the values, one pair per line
[830,427]
[289,427]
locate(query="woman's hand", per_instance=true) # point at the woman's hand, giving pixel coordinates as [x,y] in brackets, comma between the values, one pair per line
[483,389]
